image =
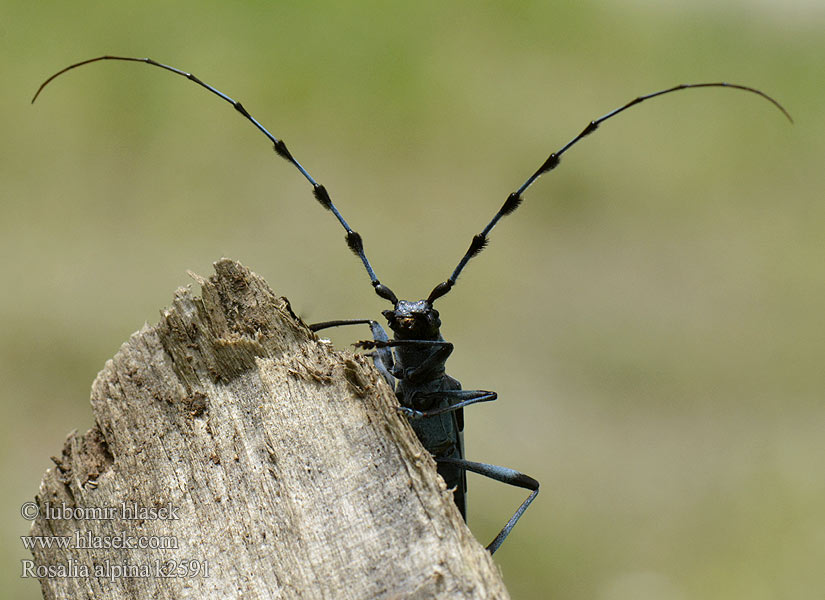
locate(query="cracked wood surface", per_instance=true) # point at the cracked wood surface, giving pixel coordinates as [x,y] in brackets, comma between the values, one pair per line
[285,463]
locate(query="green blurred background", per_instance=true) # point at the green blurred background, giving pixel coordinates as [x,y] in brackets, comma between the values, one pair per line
[651,317]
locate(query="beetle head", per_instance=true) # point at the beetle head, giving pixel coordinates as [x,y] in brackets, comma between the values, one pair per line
[414,320]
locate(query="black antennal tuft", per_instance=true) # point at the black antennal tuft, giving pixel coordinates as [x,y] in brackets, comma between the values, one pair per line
[355,243]
[321,194]
[278,145]
[551,163]
[478,244]
[513,201]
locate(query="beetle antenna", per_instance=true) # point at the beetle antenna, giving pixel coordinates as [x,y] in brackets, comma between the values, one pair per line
[353,238]
[514,199]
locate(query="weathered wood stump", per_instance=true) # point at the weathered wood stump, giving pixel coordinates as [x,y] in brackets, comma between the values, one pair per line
[237,456]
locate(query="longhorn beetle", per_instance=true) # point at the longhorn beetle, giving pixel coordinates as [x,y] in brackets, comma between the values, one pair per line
[413,362]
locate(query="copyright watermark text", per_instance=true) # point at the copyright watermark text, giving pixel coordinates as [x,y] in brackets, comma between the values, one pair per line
[125,511]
